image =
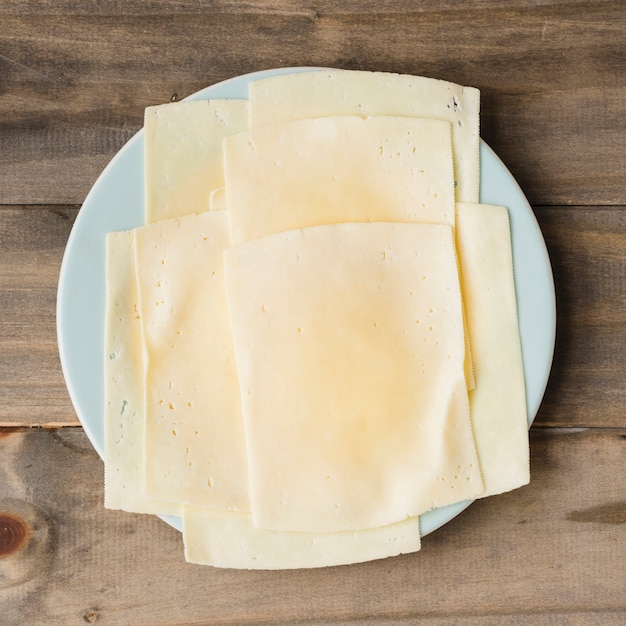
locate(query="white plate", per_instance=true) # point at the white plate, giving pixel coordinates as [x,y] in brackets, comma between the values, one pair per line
[116,203]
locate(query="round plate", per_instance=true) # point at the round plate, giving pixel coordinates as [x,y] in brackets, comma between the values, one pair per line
[116,203]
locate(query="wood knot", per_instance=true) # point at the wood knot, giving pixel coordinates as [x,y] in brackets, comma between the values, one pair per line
[14,533]
[91,615]
[27,542]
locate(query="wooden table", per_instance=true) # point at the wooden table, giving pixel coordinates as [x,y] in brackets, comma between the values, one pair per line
[74,80]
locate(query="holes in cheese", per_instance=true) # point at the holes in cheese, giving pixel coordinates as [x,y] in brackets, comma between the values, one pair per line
[350,349]
[498,402]
[347,92]
[183,154]
[302,173]
[195,449]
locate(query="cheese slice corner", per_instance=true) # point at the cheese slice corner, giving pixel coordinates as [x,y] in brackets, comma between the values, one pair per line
[183,159]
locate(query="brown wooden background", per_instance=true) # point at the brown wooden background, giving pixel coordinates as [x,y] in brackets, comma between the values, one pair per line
[75,77]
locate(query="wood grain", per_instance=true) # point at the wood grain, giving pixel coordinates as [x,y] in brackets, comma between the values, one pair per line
[267,7]
[75,78]
[588,253]
[587,247]
[32,241]
[506,560]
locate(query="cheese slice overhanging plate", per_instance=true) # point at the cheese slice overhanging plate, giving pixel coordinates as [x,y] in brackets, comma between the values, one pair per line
[350,349]
[348,92]
[228,539]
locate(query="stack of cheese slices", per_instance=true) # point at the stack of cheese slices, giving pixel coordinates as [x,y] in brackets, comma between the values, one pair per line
[313,339]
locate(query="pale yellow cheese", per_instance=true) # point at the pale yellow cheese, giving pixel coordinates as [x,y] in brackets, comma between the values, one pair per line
[338,169]
[183,154]
[350,350]
[228,539]
[124,390]
[350,337]
[498,402]
[195,448]
[217,199]
[347,92]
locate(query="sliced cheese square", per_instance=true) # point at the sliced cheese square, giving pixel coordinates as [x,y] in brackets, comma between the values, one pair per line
[124,412]
[195,448]
[350,349]
[228,539]
[498,401]
[338,169]
[183,154]
[347,92]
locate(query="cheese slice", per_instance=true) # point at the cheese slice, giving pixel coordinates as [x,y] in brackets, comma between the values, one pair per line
[228,539]
[195,448]
[346,92]
[350,349]
[124,398]
[498,402]
[183,154]
[338,169]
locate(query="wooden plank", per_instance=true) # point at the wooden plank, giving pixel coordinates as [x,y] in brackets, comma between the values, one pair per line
[588,252]
[75,78]
[554,550]
[267,7]
[523,129]
[32,388]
